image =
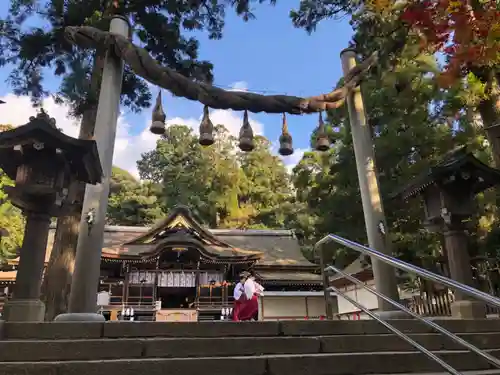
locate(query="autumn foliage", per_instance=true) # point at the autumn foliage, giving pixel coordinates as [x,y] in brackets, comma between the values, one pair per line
[467,32]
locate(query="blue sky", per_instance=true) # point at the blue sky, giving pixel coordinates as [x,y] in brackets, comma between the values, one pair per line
[266,55]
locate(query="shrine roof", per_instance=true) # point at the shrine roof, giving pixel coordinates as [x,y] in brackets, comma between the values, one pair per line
[278,248]
[359,265]
[456,160]
[113,237]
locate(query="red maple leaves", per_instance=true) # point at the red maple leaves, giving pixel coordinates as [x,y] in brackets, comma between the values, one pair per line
[468,36]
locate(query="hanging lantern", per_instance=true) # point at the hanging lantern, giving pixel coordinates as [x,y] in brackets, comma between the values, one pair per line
[158,117]
[246,135]
[286,145]
[322,140]
[206,129]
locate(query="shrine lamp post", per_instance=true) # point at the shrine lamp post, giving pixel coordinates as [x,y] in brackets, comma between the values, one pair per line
[448,190]
[43,162]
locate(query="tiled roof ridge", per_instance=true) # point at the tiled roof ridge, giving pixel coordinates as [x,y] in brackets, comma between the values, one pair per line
[218,231]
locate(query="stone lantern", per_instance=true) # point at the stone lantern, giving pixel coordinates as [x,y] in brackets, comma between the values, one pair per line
[448,190]
[43,162]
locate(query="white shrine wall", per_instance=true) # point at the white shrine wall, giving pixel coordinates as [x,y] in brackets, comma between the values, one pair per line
[291,305]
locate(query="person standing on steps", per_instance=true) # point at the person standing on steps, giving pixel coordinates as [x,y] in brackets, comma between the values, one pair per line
[239,296]
[249,309]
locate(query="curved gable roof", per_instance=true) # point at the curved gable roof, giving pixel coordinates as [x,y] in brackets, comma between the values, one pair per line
[274,248]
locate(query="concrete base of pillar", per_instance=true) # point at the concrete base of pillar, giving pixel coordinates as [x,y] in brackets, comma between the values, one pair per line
[468,310]
[80,317]
[393,314]
[24,310]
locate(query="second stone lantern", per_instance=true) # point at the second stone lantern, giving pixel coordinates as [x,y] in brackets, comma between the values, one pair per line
[43,162]
[448,190]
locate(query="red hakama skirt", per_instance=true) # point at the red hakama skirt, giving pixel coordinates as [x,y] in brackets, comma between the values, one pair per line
[247,309]
[236,309]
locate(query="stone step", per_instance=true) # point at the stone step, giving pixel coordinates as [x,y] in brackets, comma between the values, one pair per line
[78,330]
[317,364]
[480,372]
[94,349]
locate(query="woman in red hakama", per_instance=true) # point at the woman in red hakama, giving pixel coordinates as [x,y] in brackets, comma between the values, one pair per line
[248,302]
[239,296]
[249,309]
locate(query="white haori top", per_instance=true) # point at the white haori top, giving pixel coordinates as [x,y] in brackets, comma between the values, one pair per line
[238,291]
[252,287]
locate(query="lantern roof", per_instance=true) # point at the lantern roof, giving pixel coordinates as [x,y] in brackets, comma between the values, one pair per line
[458,160]
[81,155]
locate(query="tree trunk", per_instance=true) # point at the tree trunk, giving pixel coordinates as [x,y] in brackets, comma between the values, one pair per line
[489,110]
[490,114]
[57,280]
[56,285]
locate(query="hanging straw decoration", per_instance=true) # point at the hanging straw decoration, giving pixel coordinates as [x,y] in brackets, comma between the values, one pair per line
[286,143]
[206,129]
[246,142]
[158,117]
[322,140]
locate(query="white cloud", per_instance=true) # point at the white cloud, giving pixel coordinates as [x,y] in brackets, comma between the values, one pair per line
[239,86]
[18,110]
[230,119]
[128,148]
[292,160]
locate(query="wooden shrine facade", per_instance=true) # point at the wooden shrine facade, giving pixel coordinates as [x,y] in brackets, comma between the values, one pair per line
[180,266]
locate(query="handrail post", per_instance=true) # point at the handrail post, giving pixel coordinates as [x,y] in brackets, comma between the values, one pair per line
[376,226]
[404,266]
[326,284]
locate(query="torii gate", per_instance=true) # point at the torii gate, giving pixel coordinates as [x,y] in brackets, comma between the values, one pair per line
[120,50]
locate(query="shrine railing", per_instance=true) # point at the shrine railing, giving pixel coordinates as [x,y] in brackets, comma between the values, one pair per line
[399,264]
[142,302]
[149,303]
[214,302]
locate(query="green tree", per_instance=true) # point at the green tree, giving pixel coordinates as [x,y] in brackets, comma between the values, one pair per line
[414,123]
[266,186]
[191,174]
[11,218]
[132,202]
[161,27]
[227,188]
[465,32]
[11,221]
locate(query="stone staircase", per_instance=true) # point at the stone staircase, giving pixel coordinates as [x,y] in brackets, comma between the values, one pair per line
[250,348]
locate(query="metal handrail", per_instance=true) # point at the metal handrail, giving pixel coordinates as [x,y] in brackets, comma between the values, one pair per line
[402,335]
[397,263]
[424,320]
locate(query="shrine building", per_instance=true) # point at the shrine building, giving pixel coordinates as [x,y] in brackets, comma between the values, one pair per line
[181,271]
